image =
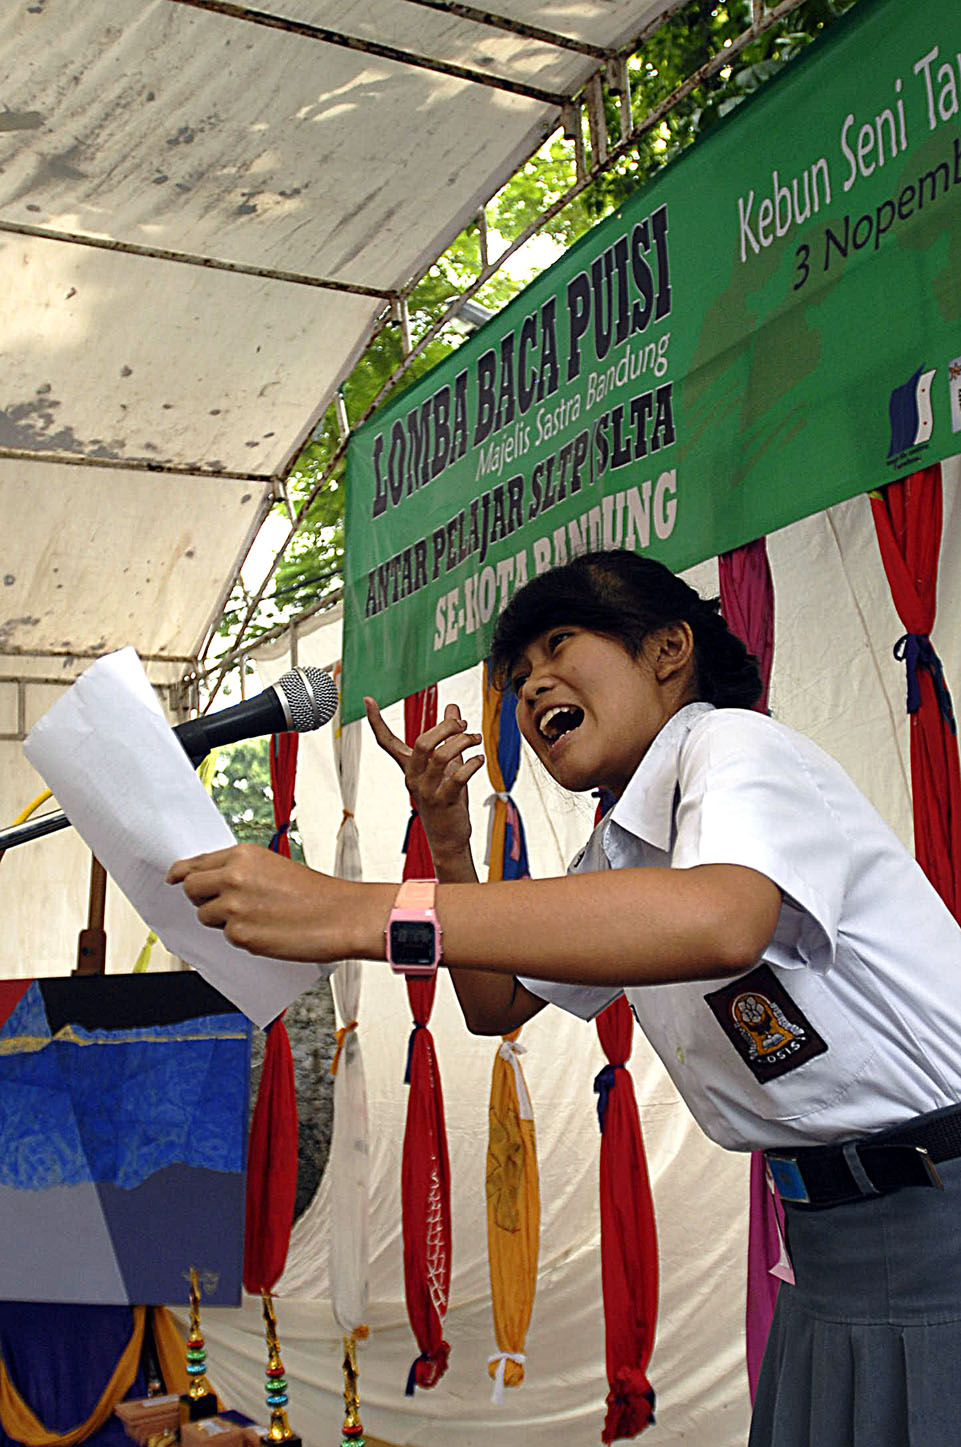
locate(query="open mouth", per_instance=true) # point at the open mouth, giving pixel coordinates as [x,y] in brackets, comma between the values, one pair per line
[556,722]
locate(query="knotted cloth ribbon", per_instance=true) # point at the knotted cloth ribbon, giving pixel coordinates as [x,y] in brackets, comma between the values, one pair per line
[427,1369]
[341,1037]
[604,1082]
[417,1025]
[630,1405]
[511,1051]
[915,650]
[513,823]
[499,1372]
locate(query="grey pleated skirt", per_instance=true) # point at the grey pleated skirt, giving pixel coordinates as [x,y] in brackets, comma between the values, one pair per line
[865,1349]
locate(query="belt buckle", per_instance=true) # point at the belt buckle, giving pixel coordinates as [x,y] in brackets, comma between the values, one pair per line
[930,1169]
[786,1174]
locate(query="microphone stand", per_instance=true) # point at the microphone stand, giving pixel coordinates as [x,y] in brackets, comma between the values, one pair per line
[32,829]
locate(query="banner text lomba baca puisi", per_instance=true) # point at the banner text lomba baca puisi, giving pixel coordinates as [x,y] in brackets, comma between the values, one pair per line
[625,290]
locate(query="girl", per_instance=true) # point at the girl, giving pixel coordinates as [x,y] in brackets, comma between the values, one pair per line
[807,1000]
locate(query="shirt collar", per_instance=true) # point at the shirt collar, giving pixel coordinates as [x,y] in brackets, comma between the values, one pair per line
[646,807]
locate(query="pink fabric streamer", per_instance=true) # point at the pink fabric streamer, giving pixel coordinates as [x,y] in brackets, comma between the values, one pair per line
[747,602]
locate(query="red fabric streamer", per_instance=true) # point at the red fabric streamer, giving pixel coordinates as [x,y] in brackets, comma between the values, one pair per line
[425,1168]
[272,1151]
[271,1166]
[629,1265]
[747,602]
[907,520]
[283,776]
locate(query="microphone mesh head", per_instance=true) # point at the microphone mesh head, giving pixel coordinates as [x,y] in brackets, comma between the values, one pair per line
[311,696]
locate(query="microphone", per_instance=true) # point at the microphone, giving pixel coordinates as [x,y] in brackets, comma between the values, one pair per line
[303,699]
[300,701]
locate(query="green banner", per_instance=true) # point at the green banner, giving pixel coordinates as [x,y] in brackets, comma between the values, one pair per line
[770,326]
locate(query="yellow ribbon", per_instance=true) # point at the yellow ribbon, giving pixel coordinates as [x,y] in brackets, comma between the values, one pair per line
[342,1034]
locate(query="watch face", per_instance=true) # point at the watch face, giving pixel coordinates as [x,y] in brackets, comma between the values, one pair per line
[412,942]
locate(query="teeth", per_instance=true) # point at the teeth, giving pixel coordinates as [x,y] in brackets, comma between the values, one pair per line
[552,713]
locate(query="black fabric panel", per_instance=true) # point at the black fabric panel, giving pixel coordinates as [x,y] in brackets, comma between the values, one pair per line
[130,1002]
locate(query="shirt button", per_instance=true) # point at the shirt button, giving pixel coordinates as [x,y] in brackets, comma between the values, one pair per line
[679,1052]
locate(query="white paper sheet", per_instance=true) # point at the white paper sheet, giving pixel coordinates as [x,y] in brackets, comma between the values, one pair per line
[127,787]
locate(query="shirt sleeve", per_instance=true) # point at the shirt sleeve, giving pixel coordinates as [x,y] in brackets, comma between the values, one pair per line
[585,1001]
[748,796]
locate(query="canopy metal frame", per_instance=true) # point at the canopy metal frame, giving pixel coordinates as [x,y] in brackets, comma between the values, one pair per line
[611,77]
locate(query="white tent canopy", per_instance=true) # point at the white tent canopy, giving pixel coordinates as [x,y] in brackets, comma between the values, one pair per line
[203,218]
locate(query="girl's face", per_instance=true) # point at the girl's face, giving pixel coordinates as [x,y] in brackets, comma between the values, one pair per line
[587,708]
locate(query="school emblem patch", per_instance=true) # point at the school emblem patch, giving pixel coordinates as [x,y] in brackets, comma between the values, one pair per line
[765,1026]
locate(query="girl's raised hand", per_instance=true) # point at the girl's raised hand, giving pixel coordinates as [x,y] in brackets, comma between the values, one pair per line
[436,774]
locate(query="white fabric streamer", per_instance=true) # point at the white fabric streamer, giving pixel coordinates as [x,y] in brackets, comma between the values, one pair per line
[502,1358]
[349,1163]
[490,804]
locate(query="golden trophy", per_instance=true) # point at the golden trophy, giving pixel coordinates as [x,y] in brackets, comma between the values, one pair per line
[352,1432]
[275,1383]
[199,1401]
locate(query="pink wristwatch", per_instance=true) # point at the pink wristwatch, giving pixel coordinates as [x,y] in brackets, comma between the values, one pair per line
[413,931]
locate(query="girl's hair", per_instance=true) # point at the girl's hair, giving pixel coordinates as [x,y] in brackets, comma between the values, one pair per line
[625,597]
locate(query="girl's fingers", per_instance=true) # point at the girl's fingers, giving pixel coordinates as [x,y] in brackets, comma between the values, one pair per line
[181,868]
[384,735]
[464,772]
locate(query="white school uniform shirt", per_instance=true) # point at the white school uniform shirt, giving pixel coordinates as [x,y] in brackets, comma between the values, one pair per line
[851,1021]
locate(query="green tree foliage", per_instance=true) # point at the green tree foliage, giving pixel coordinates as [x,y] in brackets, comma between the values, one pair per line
[242,793]
[313,564]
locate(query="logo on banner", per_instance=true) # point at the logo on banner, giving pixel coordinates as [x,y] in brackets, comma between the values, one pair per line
[765,1026]
[912,418]
[954,390]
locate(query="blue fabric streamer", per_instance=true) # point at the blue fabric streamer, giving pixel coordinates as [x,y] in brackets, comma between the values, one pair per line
[508,740]
[605,799]
[915,651]
[604,1082]
[410,824]
[277,835]
[412,1375]
[410,1049]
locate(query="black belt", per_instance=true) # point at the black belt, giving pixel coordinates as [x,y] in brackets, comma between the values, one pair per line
[906,1155]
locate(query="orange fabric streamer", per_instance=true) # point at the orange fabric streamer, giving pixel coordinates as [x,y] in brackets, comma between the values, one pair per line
[171,1350]
[513,1215]
[513,1188]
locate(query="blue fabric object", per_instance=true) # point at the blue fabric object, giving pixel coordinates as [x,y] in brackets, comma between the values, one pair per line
[410,1050]
[604,1082]
[915,650]
[410,824]
[516,865]
[277,835]
[60,1121]
[412,1375]
[60,1358]
[508,740]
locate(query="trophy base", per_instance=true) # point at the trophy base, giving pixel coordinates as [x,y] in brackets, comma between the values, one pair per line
[292,1441]
[195,1409]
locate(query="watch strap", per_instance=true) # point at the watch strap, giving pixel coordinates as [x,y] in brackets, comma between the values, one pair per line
[416,894]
